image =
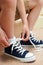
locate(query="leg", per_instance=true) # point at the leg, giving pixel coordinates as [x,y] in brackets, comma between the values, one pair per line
[35,10]
[35,6]
[21,9]
[7,16]
[22,12]
[7,22]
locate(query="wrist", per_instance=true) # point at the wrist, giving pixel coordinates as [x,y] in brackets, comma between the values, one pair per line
[25,22]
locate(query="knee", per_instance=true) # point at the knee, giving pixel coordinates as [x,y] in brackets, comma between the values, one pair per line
[40,2]
[9,3]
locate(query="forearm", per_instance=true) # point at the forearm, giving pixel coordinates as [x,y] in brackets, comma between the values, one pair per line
[21,8]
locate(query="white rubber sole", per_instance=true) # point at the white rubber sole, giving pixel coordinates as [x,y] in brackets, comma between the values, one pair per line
[33,45]
[41,45]
[30,59]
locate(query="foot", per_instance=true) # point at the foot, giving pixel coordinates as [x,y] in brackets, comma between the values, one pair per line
[16,51]
[33,41]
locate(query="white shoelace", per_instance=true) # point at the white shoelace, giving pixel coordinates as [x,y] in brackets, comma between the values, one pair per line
[17,46]
[34,38]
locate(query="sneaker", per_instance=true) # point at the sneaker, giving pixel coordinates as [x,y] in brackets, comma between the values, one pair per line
[33,41]
[16,51]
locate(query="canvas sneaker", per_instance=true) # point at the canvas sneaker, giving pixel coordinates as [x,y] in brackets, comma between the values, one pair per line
[32,41]
[16,51]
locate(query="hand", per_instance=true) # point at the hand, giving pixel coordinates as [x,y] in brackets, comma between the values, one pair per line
[25,31]
[3,38]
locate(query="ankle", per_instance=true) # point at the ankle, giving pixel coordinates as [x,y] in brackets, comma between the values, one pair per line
[11,39]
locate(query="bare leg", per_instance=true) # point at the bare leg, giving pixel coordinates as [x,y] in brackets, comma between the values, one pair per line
[35,6]
[22,12]
[21,8]
[8,16]
[35,11]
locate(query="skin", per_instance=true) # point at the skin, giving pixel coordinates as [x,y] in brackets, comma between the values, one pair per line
[3,38]
[35,6]
[21,8]
[7,18]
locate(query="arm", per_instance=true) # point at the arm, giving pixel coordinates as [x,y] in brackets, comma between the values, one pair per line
[21,8]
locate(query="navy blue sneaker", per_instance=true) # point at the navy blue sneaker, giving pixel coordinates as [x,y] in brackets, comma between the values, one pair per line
[16,51]
[32,41]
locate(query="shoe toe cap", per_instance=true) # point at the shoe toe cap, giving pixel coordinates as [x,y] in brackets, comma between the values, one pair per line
[29,55]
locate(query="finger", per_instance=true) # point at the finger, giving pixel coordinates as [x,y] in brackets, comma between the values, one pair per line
[2,45]
[5,42]
[27,37]
[23,34]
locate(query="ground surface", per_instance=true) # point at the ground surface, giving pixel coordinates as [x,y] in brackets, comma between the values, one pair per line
[6,60]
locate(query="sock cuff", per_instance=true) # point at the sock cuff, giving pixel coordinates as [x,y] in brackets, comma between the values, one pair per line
[11,40]
[30,32]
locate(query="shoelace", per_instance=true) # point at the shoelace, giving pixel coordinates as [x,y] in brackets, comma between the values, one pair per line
[34,38]
[16,45]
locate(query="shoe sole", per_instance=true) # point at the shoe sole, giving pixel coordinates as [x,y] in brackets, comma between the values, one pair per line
[30,59]
[41,45]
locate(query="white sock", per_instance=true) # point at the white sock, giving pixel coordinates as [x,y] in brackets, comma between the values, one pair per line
[31,32]
[12,40]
